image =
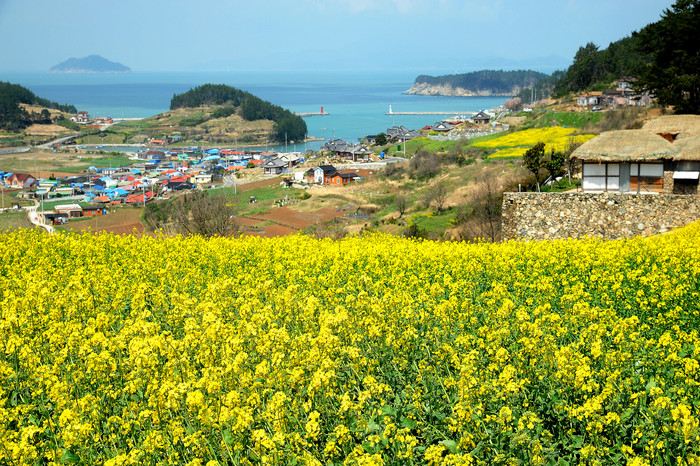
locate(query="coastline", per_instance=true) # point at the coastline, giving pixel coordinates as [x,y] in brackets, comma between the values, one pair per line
[357,104]
[447,90]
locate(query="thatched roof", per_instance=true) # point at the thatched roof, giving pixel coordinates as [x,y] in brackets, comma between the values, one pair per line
[633,145]
[674,124]
[688,148]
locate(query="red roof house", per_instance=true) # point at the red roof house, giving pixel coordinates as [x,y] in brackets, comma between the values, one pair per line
[21,180]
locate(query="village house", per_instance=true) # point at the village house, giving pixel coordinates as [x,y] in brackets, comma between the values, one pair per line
[589,99]
[663,157]
[176,184]
[328,174]
[622,96]
[94,211]
[53,218]
[442,127]
[481,118]
[292,158]
[136,199]
[71,210]
[21,180]
[318,175]
[101,121]
[200,178]
[353,152]
[341,179]
[401,133]
[274,167]
[82,118]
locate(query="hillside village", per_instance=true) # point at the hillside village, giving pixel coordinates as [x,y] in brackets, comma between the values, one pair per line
[160,171]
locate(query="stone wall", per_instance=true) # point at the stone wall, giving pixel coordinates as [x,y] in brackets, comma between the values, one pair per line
[537,216]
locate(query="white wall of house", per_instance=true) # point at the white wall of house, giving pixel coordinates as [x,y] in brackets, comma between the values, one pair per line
[632,177]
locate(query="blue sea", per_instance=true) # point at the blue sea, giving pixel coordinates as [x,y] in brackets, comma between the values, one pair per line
[357,103]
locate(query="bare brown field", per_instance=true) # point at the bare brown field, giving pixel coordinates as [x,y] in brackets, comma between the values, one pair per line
[295,219]
[124,220]
[46,130]
[272,231]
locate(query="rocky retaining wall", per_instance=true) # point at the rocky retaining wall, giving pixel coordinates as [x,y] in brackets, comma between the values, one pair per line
[537,216]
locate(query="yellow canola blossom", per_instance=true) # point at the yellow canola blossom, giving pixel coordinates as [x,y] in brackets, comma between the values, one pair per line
[369,350]
[556,138]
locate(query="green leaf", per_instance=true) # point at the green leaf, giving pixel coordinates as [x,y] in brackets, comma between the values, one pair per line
[228,438]
[69,457]
[388,410]
[407,423]
[372,426]
[369,448]
[577,441]
[450,444]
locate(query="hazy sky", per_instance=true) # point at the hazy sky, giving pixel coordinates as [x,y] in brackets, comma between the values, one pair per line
[438,36]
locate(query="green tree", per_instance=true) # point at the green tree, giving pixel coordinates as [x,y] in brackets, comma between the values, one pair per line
[380,139]
[291,128]
[533,160]
[672,75]
[554,163]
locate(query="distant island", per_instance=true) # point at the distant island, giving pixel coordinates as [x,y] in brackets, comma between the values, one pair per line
[478,83]
[89,64]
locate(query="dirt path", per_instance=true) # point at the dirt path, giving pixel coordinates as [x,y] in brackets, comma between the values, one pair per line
[34,219]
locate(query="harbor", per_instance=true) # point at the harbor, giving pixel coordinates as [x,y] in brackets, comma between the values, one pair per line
[308,114]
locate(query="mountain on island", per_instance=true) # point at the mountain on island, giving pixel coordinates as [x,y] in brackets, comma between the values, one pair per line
[89,64]
[478,83]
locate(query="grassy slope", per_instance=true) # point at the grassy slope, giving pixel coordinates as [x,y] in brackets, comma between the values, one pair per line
[568,119]
[196,125]
[14,220]
[43,164]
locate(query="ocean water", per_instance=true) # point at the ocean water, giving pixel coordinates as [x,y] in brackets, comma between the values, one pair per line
[357,103]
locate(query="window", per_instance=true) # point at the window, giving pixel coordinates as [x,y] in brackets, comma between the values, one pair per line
[647,177]
[599,177]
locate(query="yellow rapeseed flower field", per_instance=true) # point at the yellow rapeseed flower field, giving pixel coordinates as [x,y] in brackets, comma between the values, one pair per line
[369,350]
[515,144]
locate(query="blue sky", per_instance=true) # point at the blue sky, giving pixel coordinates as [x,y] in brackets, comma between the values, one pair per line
[425,36]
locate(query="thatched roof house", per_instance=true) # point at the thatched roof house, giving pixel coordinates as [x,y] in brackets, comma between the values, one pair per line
[688,146]
[663,157]
[671,126]
[625,146]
